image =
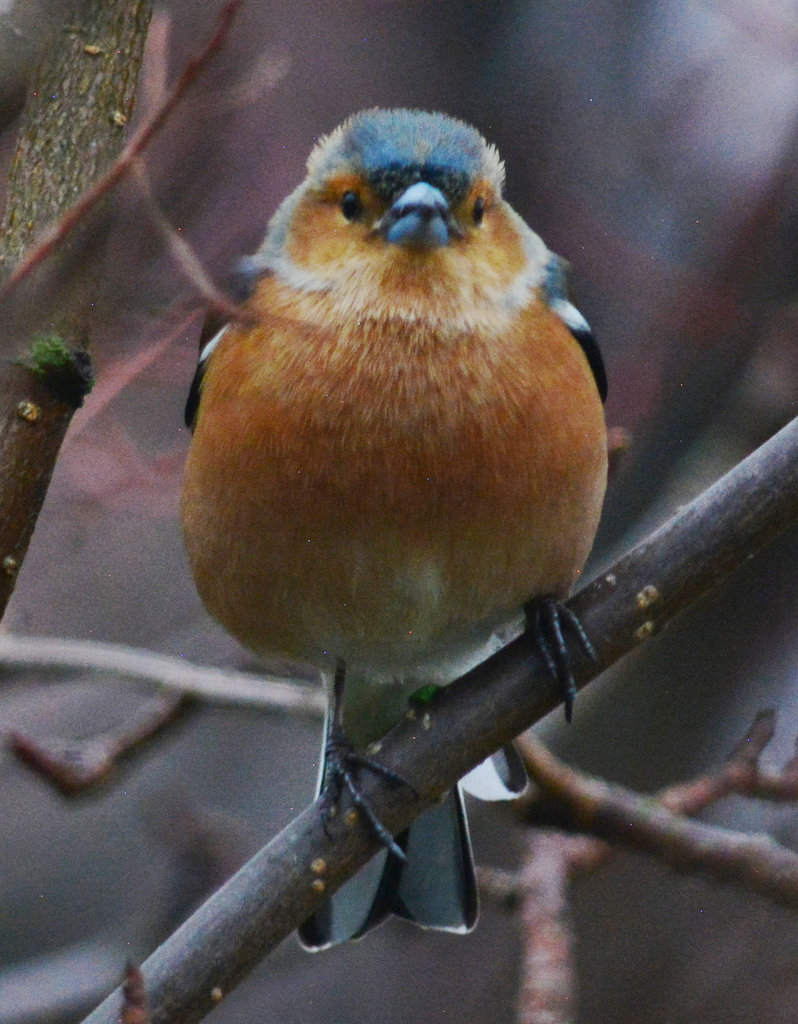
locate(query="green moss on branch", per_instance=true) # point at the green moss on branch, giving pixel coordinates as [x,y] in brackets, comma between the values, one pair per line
[64,370]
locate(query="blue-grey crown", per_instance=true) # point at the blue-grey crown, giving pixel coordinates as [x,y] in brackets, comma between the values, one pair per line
[393,149]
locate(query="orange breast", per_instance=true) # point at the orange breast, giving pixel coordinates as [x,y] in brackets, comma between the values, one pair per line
[377,489]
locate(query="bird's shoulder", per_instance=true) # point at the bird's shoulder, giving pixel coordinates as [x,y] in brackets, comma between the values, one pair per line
[556,296]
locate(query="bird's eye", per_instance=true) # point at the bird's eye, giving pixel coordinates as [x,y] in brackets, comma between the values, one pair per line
[350,205]
[479,210]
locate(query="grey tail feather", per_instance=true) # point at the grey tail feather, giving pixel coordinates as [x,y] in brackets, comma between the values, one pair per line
[435,887]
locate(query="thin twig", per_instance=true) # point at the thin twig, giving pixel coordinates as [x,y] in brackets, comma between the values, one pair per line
[539,889]
[612,812]
[741,775]
[73,766]
[54,235]
[184,256]
[219,686]
[547,993]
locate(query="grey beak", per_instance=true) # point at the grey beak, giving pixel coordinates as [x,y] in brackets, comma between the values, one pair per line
[419,218]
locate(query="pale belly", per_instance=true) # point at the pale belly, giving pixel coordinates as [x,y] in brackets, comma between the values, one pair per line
[387,498]
[411,577]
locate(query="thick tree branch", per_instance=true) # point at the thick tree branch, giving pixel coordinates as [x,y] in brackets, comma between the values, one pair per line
[76,212]
[33,421]
[434,746]
[71,129]
[72,125]
[71,132]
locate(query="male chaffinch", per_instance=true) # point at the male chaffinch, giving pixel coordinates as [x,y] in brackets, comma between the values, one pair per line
[400,448]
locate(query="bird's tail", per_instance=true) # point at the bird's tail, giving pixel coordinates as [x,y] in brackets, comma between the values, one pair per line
[435,886]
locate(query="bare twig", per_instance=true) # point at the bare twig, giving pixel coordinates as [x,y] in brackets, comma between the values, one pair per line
[220,686]
[581,854]
[184,256]
[73,766]
[741,774]
[612,812]
[135,147]
[547,993]
[119,373]
[552,858]
[466,721]
[134,998]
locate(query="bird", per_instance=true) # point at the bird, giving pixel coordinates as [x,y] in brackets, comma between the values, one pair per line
[399,457]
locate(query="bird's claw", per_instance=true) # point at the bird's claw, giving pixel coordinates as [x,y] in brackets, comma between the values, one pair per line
[341,765]
[546,620]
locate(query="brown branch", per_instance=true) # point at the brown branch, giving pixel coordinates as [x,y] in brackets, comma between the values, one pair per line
[134,998]
[465,722]
[64,144]
[740,775]
[82,93]
[65,139]
[623,819]
[74,766]
[611,812]
[552,858]
[185,257]
[547,993]
[78,211]
[33,421]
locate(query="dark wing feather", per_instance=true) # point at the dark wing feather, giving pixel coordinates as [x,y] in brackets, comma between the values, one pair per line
[556,293]
[241,285]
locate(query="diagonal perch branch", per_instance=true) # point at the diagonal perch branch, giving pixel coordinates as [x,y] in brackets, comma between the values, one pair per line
[474,716]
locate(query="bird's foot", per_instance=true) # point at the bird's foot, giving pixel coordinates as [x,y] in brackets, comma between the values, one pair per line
[547,621]
[341,767]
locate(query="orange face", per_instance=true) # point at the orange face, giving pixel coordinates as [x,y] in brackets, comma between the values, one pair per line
[351,257]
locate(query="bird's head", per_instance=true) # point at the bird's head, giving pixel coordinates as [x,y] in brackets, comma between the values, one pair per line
[401,207]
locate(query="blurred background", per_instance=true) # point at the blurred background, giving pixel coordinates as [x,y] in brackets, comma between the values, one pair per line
[654,146]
